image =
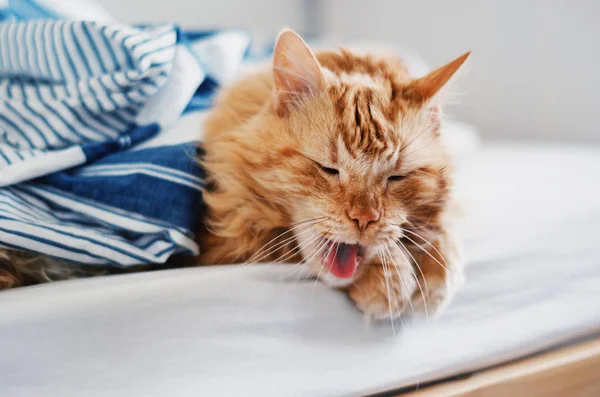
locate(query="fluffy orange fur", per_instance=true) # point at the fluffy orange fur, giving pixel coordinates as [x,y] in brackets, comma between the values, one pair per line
[336,147]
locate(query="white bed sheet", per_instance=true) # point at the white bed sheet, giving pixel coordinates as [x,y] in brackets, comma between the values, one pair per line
[533,282]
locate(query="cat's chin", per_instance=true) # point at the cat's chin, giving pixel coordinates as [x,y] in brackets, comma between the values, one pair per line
[336,282]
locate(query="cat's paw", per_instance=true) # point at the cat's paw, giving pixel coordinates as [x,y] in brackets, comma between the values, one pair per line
[383,293]
[435,292]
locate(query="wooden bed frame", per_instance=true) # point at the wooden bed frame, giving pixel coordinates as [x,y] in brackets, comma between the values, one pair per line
[572,371]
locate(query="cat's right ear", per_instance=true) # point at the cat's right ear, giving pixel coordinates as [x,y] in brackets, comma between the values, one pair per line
[296,72]
[430,88]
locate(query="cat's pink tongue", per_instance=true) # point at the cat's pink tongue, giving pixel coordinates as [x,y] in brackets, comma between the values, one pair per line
[343,259]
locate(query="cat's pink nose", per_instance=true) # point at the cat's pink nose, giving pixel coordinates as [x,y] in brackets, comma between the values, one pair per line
[364,216]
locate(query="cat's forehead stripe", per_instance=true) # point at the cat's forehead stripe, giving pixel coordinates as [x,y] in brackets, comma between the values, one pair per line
[360,123]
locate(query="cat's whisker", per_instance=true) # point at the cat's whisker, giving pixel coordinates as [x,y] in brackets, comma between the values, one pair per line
[423,295]
[316,251]
[418,227]
[427,252]
[320,218]
[299,225]
[304,263]
[277,247]
[414,261]
[321,246]
[271,250]
[322,266]
[296,267]
[320,243]
[418,148]
[426,173]
[424,239]
[416,264]
[401,279]
[263,253]
[389,256]
[297,249]
[334,243]
[389,265]
[421,291]
[296,270]
[387,287]
[334,255]
[337,246]
[403,148]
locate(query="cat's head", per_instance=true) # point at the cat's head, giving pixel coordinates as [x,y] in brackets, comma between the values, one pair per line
[351,153]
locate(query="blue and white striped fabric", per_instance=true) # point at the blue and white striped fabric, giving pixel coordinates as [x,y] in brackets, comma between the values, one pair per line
[84,107]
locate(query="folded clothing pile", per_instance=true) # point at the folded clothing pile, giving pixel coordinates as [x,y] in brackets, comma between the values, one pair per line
[76,101]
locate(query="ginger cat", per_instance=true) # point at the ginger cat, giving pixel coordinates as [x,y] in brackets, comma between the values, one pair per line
[334,160]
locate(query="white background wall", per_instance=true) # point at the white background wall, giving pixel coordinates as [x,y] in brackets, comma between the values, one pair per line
[535,72]
[263,18]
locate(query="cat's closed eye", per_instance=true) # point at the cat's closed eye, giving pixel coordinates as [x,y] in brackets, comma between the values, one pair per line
[327,170]
[330,171]
[396,178]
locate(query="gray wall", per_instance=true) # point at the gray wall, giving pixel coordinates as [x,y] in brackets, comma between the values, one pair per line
[535,70]
[263,18]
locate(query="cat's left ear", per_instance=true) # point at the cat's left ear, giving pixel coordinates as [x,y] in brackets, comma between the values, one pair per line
[296,71]
[430,88]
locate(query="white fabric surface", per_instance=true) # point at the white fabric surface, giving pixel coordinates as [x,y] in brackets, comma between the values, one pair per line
[533,282]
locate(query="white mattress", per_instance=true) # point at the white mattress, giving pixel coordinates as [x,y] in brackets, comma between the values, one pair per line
[531,238]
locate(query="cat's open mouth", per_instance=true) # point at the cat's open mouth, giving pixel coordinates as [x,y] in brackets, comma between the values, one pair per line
[343,259]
